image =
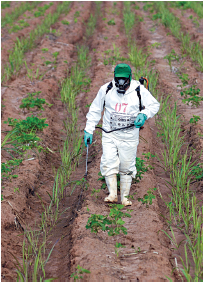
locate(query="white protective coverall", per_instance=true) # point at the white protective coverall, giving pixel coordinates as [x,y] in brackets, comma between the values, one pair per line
[119,147]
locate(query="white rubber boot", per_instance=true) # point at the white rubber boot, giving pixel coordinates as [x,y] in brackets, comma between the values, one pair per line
[125,183]
[111,182]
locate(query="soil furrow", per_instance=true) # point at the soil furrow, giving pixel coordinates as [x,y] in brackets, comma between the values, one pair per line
[96,253]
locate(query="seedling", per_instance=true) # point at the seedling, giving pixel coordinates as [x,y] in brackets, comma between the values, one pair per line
[31,102]
[147,199]
[131,197]
[184,79]
[155,44]
[112,223]
[65,22]
[44,50]
[30,124]
[88,105]
[171,57]
[194,120]
[156,16]
[197,172]
[141,169]
[78,274]
[16,190]
[55,55]
[118,246]
[96,192]
[8,167]
[193,92]
[111,22]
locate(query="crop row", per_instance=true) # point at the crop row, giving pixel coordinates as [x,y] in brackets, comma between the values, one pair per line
[189,47]
[185,212]
[16,57]
[9,18]
[196,6]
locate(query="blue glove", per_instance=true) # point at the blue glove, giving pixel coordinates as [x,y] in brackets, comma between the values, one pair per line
[140,120]
[88,136]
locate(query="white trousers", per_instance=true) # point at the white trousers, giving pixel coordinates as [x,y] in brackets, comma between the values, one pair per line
[119,156]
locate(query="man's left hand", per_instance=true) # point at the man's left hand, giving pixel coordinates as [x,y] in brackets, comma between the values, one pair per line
[140,120]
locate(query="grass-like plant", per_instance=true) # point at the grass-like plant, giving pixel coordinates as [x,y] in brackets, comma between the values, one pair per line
[16,57]
[9,18]
[42,10]
[189,47]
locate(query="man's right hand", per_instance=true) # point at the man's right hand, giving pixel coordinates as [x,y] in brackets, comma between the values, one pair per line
[86,137]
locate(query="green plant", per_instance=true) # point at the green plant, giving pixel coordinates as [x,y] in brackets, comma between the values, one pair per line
[30,124]
[141,169]
[65,22]
[78,274]
[44,50]
[118,246]
[111,22]
[184,79]
[194,120]
[197,172]
[88,105]
[147,198]
[9,18]
[55,55]
[41,10]
[16,190]
[5,4]
[193,93]
[21,25]
[156,16]
[96,192]
[171,57]
[32,102]
[8,167]
[156,44]
[22,46]
[112,223]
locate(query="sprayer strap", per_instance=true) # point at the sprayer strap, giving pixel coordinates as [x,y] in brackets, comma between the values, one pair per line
[139,96]
[109,87]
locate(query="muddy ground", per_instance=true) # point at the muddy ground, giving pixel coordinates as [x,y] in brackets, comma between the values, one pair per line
[76,245]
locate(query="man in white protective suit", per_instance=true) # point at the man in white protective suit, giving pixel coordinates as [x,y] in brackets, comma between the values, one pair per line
[120,99]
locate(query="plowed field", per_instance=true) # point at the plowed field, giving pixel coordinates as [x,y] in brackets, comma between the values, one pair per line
[148,253]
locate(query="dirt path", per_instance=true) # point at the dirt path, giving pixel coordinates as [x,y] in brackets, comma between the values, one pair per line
[96,253]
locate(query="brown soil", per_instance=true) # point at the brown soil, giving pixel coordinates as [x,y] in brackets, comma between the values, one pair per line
[75,244]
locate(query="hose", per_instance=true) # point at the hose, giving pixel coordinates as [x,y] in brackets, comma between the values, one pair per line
[114,129]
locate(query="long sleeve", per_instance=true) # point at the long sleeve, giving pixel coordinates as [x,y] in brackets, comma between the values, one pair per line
[94,114]
[150,103]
